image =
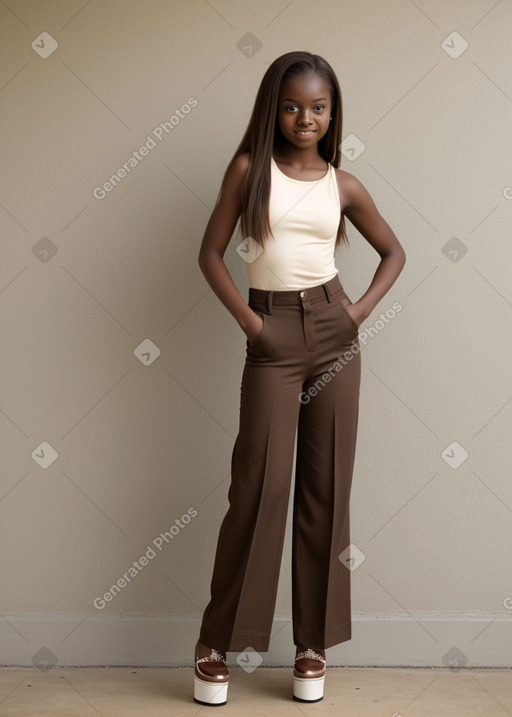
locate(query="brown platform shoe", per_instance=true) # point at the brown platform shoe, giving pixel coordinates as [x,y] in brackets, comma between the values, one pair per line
[309,675]
[211,676]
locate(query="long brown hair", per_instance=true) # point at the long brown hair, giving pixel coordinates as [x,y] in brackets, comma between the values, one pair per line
[263,133]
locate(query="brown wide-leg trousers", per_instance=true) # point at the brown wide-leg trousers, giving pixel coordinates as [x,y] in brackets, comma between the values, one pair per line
[301,380]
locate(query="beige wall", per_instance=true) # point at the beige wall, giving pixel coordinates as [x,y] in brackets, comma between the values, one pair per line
[144,439]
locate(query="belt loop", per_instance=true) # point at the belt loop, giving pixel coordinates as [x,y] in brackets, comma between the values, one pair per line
[269,301]
[327,293]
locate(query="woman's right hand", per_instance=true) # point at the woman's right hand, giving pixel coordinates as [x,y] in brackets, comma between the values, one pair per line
[253,331]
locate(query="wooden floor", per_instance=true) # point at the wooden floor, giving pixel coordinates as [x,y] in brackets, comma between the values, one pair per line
[161,692]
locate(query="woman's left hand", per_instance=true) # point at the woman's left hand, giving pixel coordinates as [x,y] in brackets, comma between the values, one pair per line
[355,312]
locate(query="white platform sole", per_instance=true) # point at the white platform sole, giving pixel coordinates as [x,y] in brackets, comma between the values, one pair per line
[210,693]
[308,689]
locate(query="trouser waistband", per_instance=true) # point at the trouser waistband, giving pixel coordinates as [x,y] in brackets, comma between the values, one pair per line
[264,300]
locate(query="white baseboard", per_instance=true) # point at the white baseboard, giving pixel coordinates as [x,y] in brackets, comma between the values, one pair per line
[76,640]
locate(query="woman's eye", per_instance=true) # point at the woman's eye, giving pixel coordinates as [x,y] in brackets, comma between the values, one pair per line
[294,107]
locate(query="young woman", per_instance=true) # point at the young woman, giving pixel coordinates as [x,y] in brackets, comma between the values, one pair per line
[301,376]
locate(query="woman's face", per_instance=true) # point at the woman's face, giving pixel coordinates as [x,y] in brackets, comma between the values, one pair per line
[304,108]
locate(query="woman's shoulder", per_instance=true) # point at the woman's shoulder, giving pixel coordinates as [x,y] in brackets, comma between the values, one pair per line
[350,188]
[236,171]
[240,164]
[244,160]
[345,179]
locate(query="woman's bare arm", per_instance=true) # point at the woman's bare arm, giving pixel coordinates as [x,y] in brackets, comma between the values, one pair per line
[218,233]
[360,210]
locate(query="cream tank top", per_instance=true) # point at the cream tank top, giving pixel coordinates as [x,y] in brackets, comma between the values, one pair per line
[304,217]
